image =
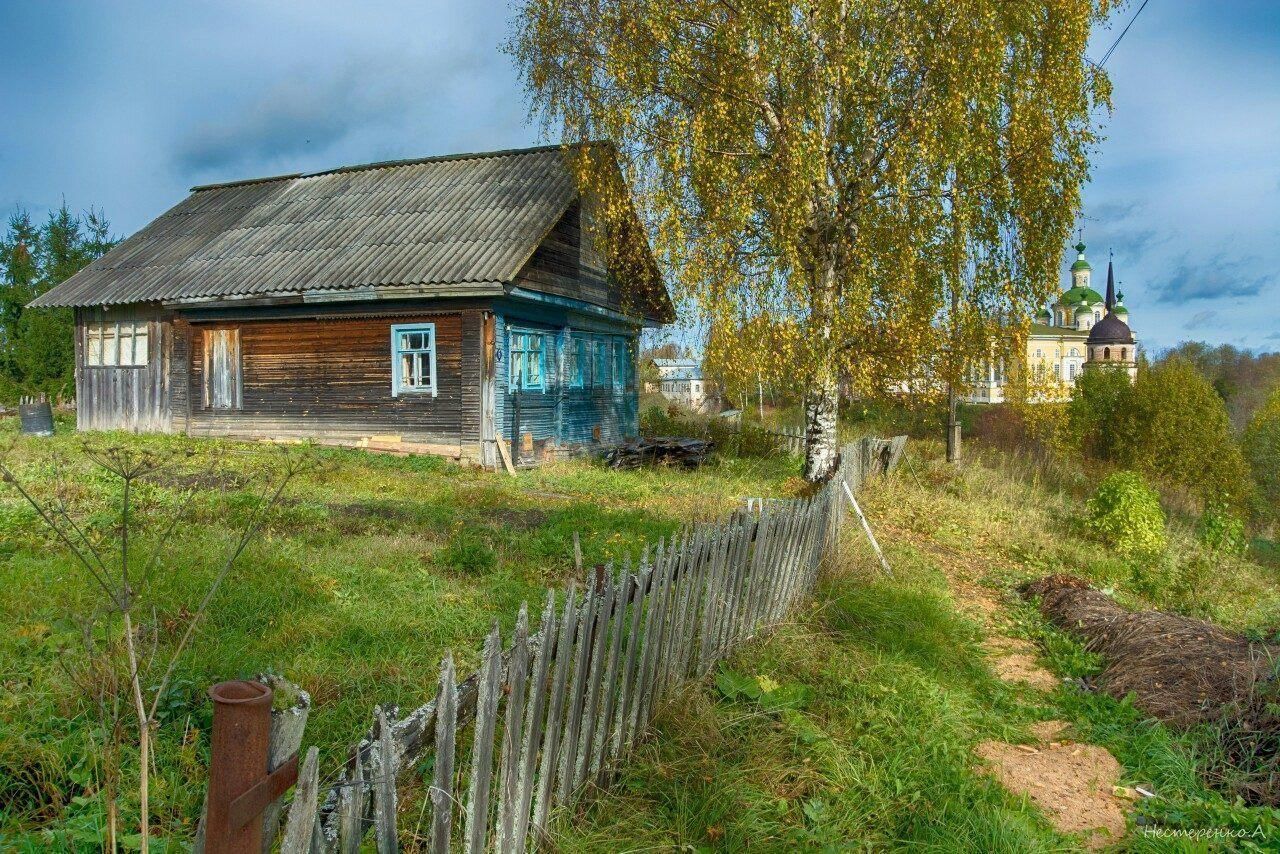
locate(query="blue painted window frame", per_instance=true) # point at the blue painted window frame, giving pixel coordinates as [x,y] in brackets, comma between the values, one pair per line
[578,357]
[600,359]
[519,351]
[621,363]
[398,386]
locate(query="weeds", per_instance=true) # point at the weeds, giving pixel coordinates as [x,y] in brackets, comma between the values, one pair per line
[351,590]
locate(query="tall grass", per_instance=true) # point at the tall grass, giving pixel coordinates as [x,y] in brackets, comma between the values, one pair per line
[369,570]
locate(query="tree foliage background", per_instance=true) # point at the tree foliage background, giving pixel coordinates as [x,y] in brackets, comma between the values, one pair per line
[1170,425]
[1262,450]
[37,347]
[821,178]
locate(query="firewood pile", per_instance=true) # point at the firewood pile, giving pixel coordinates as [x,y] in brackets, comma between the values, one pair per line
[665,450]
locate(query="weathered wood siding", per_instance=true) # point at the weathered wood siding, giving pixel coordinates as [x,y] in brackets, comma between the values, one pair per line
[560,267]
[331,378]
[135,398]
[561,417]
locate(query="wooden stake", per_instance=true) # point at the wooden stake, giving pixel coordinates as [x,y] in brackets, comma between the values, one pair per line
[867,528]
[506,458]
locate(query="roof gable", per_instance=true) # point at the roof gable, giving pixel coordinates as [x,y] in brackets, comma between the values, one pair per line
[422,227]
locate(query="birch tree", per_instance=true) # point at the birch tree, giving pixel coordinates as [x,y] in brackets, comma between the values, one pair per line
[817,164]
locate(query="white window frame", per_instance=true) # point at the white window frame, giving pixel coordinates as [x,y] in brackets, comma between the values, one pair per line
[397,381]
[134,331]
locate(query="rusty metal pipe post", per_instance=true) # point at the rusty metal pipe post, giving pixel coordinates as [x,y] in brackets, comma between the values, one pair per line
[238,761]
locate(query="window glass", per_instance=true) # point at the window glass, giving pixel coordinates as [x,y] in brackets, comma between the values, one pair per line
[582,349]
[93,348]
[110,347]
[600,362]
[619,361]
[413,358]
[528,364]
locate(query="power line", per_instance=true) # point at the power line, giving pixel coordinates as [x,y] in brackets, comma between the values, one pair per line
[1120,37]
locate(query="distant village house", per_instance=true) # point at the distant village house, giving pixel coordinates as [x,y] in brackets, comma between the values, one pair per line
[436,304]
[681,382]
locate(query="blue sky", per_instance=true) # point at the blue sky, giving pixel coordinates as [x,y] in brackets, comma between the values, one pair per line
[125,105]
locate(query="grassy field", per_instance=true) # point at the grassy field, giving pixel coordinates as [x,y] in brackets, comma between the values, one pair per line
[898,693]
[374,565]
[371,567]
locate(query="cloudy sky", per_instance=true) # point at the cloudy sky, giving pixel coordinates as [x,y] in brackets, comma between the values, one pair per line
[124,105]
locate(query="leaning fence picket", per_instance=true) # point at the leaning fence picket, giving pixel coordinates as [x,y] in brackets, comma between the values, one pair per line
[595,673]
[384,790]
[551,748]
[617,628]
[533,728]
[578,693]
[512,726]
[351,817]
[631,666]
[477,812]
[442,774]
[299,828]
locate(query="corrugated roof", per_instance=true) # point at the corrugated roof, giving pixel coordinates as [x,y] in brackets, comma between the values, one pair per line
[426,225]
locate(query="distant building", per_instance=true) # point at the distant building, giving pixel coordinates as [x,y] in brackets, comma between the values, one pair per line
[1079,328]
[680,381]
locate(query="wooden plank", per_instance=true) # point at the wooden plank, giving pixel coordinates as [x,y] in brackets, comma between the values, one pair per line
[477,808]
[533,726]
[866,529]
[679,571]
[711,600]
[646,653]
[573,715]
[506,457]
[351,830]
[442,773]
[384,791]
[653,641]
[595,675]
[551,748]
[513,731]
[604,729]
[287,727]
[728,634]
[300,827]
[755,572]
[626,694]
[697,601]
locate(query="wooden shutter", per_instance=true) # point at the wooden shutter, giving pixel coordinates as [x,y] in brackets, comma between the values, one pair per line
[222,375]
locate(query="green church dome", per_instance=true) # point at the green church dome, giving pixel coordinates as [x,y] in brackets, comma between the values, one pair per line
[1080,263]
[1075,296]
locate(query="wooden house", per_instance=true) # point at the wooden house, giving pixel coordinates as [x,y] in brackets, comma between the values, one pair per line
[439,303]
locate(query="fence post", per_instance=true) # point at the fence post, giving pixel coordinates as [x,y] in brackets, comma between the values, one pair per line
[239,786]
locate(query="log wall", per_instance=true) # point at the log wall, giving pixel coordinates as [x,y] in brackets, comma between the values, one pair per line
[330,378]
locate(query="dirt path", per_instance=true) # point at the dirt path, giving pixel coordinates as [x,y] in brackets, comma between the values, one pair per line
[1073,783]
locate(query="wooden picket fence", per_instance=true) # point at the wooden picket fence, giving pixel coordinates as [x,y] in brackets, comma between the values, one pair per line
[552,714]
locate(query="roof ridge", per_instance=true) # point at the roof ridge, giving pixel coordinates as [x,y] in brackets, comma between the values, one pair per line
[390,164]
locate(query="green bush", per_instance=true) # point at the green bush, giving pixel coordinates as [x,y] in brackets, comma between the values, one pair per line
[1221,531]
[1174,428]
[1125,514]
[1262,450]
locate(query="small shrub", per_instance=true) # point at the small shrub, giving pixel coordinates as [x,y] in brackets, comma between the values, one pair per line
[1125,514]
[468,554]
[1221,531]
